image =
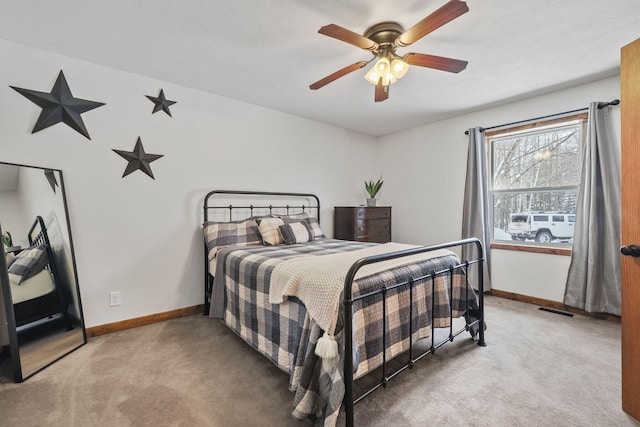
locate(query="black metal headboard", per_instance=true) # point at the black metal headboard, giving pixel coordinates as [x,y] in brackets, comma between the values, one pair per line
[38,235]
[252,203]
[232,205]
[41,237]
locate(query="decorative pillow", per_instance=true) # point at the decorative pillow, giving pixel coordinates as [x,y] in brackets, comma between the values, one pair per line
[237,233]
[269,230]
[28,263]
[316,231]
[10,257]
[296,232]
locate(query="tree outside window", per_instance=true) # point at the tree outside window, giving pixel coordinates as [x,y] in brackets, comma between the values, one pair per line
[534,180]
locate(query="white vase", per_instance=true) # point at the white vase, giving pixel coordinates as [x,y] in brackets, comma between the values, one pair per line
[371,202]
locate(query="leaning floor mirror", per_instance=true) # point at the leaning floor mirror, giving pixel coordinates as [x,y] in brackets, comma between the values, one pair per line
[41,312]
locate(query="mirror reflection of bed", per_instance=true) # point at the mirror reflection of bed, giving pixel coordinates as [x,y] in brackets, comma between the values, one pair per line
[40,292]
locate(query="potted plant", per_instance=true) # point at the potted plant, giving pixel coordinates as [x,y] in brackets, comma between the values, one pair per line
[7,240]
[373,188]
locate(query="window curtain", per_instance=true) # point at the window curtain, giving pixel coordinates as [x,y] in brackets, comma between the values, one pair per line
[593,281]
[475,214]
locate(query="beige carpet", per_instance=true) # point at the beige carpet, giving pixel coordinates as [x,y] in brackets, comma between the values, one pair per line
[539,369]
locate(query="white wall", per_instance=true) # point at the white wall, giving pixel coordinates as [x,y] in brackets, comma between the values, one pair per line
[14,220]
[424,170]
[141,236]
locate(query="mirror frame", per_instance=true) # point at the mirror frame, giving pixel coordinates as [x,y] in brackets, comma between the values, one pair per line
[10,324]
[8,300]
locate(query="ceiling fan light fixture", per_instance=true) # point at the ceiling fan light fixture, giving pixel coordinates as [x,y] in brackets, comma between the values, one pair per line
[382,40]
[399,68]
[381,69]
[390,72]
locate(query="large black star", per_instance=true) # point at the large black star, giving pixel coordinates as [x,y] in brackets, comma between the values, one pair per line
[162,103]
[59,106]
[138,159]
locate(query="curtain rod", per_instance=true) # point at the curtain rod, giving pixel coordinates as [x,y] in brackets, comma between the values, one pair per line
[579,110]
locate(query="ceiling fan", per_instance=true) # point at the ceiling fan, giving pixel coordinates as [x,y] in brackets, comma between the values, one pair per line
[384,38]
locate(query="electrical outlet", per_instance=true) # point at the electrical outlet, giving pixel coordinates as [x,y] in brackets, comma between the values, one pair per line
[114,298]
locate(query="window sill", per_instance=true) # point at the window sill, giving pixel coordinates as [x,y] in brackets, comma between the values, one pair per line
[530,248]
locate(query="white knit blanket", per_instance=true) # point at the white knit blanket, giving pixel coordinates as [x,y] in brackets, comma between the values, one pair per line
[318,280]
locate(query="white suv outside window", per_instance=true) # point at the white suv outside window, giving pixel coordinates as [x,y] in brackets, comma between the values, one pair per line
[543,227]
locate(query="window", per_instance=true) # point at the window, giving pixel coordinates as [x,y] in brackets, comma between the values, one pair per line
[534,176]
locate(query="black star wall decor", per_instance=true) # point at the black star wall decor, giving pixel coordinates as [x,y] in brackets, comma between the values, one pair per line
[161,102]
[138,159]
[51,177]
[59,105]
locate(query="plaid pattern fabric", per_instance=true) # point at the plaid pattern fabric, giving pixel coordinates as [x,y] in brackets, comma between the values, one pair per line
[311,220]
[240,233]
[28,263]
[296,232]
[287,335]
[367,319]
[273,330]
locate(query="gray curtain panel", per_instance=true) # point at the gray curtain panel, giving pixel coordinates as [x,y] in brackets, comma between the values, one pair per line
[593,281]
[475,214]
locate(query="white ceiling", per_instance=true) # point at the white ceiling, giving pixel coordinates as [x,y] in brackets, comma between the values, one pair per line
[268,52]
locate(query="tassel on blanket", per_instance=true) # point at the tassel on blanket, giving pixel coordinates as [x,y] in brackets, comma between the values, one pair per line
[327,347]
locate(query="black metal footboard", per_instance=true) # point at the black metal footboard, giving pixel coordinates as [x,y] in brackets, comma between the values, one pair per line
[470,324]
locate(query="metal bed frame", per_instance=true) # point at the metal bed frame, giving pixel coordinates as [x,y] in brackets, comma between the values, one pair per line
[475,326]
[53,302]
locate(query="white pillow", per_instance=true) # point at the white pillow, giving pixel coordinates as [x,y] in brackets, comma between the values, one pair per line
[269,228]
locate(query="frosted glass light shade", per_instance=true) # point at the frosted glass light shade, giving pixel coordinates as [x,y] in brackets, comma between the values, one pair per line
[390,72]
[399,68]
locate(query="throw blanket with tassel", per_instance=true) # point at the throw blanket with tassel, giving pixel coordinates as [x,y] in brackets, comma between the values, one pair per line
[318,282]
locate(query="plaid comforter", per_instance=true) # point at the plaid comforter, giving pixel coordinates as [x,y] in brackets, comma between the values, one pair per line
[287,335]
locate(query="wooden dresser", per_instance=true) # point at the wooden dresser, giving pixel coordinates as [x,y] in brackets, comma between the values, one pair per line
[362,223]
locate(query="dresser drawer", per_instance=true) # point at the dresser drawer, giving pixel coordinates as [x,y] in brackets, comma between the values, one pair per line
[371,213]
[372,227]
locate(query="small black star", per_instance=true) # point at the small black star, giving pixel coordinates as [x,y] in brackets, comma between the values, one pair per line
[162,103]
[59,106]
[53,182]
[138,159]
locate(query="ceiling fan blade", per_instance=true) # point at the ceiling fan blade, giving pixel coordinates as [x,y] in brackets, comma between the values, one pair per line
[340,33]
[437,19]
[382,92]
[334,76]
[437,62]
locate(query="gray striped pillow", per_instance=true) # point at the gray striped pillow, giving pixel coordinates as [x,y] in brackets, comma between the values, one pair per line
[296,232]
[312,221]
[28,263]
